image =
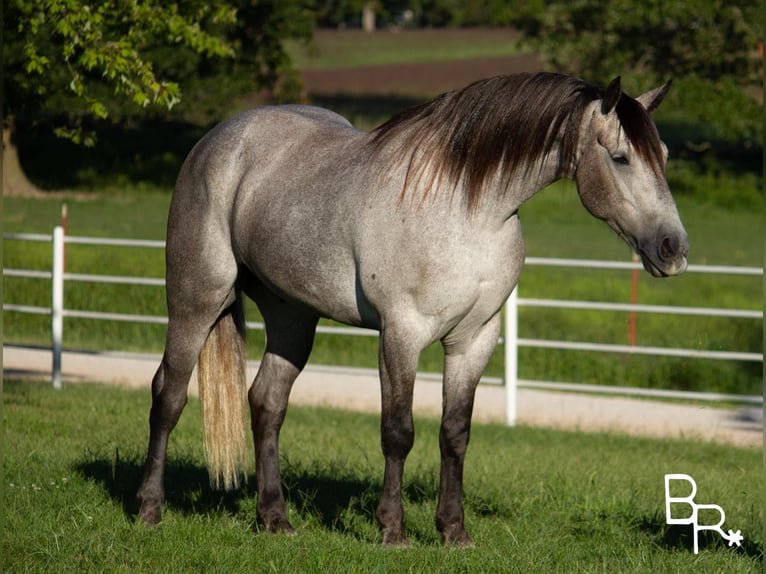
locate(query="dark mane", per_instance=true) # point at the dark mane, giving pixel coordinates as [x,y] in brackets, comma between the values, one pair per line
[506,123]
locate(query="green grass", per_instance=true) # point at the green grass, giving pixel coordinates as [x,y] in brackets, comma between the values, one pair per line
[349,48]
[536,500]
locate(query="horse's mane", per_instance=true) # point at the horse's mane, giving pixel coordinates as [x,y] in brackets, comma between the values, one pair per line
[505,123]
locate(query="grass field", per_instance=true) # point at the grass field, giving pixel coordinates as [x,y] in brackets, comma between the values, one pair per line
[341,49]
[536,500]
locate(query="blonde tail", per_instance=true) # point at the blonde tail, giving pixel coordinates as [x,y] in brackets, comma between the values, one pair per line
[223,399]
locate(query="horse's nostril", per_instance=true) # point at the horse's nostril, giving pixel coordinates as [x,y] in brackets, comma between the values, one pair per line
[667,248]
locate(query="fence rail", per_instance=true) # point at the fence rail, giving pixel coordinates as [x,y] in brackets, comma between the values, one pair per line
[510,339]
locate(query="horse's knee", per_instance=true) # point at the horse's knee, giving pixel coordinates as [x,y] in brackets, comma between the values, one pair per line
[397,437]
[454,437]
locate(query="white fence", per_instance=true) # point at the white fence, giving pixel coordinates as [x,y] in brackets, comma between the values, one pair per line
[510,339]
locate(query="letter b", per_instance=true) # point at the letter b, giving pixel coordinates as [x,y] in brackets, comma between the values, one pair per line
[669,500]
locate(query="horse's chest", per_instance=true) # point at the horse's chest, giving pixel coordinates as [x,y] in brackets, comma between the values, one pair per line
[441,272]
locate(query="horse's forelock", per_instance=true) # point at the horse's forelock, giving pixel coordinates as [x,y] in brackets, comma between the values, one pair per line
[642,133]
[505,123]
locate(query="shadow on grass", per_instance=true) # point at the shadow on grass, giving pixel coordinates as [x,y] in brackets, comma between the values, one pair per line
[329,497]
[681,537]
[339,500]
[188,489]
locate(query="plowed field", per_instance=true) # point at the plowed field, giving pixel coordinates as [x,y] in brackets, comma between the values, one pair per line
[420,79]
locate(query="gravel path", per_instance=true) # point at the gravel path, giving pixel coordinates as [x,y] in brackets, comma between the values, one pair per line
[358,389]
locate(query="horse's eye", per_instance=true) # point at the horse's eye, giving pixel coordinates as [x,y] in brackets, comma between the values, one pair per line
[620,159]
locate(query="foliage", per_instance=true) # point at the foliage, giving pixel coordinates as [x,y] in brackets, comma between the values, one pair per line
[80,58]
[473,12]
[710,48]
[337,13]
[73,45]
[215,88]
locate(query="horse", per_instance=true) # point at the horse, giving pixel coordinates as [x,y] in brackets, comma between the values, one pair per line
[411,229]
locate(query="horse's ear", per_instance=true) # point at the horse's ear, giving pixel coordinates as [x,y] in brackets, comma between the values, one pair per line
[653,98]
[611,96]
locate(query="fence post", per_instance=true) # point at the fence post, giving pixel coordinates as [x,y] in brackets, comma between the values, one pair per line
[57,303]
[511,348]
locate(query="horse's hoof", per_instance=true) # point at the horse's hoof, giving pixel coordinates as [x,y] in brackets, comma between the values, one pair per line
[281,527]
[395,539]
[457,537]
[150,513]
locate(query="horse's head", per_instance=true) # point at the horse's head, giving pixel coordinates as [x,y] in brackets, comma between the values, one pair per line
[620,175]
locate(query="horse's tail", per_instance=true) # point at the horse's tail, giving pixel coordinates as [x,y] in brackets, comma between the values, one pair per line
[223,399]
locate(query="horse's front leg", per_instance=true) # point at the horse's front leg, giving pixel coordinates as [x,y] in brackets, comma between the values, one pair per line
[464,363]
[398,363]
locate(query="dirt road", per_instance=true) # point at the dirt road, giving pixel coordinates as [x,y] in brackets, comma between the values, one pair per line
[358,389]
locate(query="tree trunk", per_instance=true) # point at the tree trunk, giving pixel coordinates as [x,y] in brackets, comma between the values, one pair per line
[15,181]
[368,17]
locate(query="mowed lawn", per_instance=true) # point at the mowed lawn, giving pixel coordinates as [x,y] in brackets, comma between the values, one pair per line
[536,500]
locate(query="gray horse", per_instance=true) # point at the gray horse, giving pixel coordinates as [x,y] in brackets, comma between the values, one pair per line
[412,229]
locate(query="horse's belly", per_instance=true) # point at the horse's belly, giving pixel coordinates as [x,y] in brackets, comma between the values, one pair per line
[316,271]
[331,295]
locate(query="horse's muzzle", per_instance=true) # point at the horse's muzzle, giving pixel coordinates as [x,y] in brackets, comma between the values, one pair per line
[665,256]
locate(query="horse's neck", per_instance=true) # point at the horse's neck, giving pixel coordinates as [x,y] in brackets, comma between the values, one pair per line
[543,171]
[513,192]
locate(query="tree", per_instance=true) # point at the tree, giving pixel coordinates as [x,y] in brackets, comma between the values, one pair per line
[709,47]
[80,59]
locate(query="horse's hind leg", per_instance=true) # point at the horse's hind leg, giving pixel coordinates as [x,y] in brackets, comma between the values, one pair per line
[196,299]
[169,395]
[464,363]
[289,339]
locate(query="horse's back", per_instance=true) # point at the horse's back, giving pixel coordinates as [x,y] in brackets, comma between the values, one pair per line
[316,113]
[241,138]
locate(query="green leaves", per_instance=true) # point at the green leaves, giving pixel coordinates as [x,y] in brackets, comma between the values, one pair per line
[713,44]
[120,59]
[88,44]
